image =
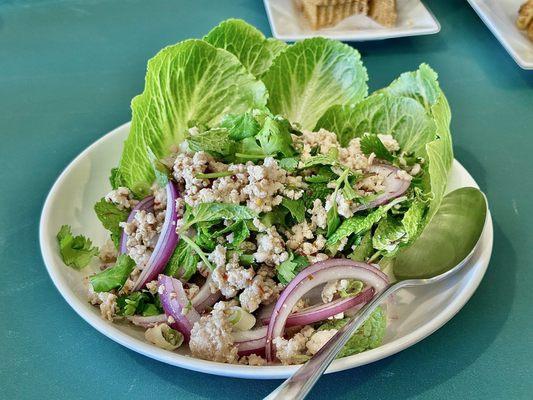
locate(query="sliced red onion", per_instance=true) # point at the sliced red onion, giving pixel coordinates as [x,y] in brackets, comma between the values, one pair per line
[176,305]
[145,204]
[250,342]
[395,186]
[166,243]
[204,298]
[311,277]
[148,322]
[321,312]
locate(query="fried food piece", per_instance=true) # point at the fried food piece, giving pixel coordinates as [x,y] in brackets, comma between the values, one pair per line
[525,18]
[323,13]
[383,12]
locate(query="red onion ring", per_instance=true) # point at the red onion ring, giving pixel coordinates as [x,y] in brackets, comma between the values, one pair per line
[148,322]
[394,186]
[145,204]
[250,342]
[204,298]
[311,277]
[166,243]
[176,305]
[322,312]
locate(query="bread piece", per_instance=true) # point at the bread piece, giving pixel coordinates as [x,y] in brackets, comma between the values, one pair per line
[525,18]
[323,13]
[383,12]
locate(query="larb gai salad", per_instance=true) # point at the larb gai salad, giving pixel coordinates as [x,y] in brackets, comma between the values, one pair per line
[262,196]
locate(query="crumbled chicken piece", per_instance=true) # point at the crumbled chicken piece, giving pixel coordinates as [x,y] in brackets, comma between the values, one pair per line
[211,337]
[261,291]
[121,197]
[293,350]
[143,232]
[270,248]
[318,214]
[108,252]
[106,300]
[266,183]
[331,288]
[231,277]
[253,360]
[318,340]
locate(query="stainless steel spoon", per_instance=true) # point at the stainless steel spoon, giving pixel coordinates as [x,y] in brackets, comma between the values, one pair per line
[443,249]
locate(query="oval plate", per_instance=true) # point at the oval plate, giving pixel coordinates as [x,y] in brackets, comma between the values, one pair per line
[415,313]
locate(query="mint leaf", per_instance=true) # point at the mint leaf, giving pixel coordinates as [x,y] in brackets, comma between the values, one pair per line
[240,233]
[183,262]
[295,207]
[288,269]
[289,164]
[371,143]
[134,303]
[215,141]
[363,249]
[114,277]
[76,251]
[388,235]
[111,216]
[240,126]
[206,212]
[356,225]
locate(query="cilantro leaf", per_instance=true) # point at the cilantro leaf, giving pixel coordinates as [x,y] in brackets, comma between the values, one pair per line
[76,251]
[275,137]
[295,207]
[111,216]
[371,143]
[205,212]
[114,277]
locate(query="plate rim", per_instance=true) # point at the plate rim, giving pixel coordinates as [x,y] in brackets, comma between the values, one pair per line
[111,331]
[353,37]
[493,28]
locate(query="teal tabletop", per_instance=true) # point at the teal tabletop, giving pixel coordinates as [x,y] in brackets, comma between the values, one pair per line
[68,69]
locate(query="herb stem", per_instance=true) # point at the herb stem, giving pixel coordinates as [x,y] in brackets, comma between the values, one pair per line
[198,251]
[214,175]
[250,156]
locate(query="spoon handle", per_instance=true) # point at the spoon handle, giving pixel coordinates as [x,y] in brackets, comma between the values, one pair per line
[298,385]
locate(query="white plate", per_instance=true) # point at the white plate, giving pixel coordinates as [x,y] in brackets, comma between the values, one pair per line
[287,23]
[417,312]
[500,17]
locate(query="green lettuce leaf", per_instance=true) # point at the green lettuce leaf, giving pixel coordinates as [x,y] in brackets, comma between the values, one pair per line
[114,277]
[363,248]
[111,216]
[403,118]
[76,251]
[368,336]
[312,75]
[246,42]
[188,84]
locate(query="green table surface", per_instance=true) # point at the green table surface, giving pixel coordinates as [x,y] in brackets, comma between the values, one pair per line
[68,70]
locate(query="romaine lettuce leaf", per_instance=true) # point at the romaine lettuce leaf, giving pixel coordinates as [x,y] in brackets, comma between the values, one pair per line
[403,118]
[187,84]
[312,75]
[246,42]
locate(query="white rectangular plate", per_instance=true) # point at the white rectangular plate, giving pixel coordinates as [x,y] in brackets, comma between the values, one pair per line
[500,17]
[287,23]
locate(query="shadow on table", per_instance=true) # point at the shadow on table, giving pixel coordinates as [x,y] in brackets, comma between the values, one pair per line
[433,361]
